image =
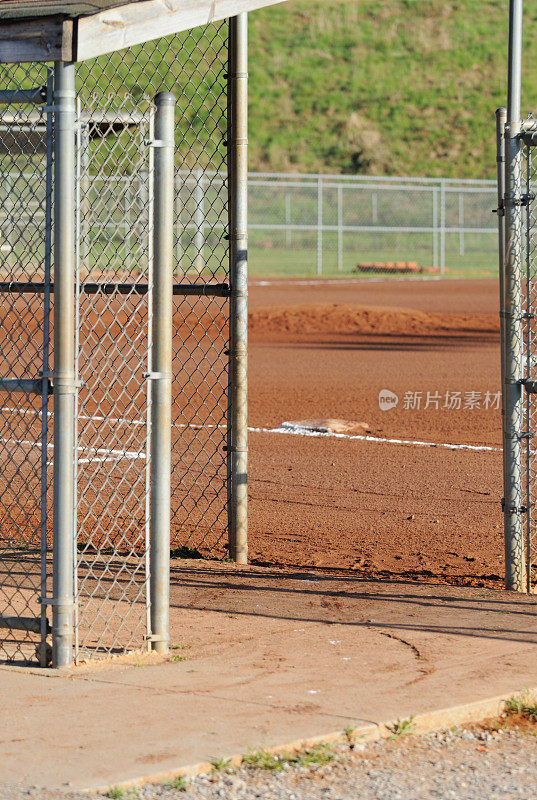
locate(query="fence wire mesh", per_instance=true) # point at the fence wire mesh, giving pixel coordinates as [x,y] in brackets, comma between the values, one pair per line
[25,352]
[114,325]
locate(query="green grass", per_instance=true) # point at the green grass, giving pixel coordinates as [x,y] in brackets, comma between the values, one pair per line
[318,755]
[117,793]
[220,764]
[401,87]
[401,728]
[180,784]
[523,704]
[398,87]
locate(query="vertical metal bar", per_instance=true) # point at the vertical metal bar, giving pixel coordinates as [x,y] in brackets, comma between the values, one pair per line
[43,660]
[199,219]
[461,224]
[501,115]
[528,308]
[238,171]
[340,227]
[375,216]
[319,225]
[85,191]
[287,220]
[178,254]
[126,221]
[374,208]
[442,226]
[78,231]
[161,378]
[435,226]
[147,193]
[64,362]
[512,388]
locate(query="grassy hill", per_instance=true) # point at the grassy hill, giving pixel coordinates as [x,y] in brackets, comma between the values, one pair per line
[404,87]
[401,87]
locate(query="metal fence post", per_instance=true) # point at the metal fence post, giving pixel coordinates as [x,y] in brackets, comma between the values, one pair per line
[238,321]
[340,227]
[442,226]
[287,220]
[501,115]
[512,387]
[64,363]
[435,226]
[178,243]
[461,220]
[319,225]
[161,376]
[199,219]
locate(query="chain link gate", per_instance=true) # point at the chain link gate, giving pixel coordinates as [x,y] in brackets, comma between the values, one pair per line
[108,575]
[113,344]
[114,331]
[26,163]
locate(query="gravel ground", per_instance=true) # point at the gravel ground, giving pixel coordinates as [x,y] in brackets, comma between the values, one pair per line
[467,764]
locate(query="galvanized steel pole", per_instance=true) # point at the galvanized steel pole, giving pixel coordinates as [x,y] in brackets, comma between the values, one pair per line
[501,116]
[64,364]
[161,375]
[512,387]
[238,175]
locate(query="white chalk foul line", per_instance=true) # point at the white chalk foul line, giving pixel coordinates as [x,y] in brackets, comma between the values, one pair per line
[112,420]
[343,281]
[286,428]
[102,454]
[297,430]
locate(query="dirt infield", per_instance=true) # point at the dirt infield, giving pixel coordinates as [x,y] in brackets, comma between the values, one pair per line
[378,507]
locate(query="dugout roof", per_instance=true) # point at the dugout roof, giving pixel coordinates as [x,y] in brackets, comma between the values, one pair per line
[75,30]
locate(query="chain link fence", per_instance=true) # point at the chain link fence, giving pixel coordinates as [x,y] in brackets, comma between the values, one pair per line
[332,224]
[26,162]
[115,177]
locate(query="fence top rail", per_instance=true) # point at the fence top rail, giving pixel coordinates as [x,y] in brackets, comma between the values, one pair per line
[253,180]
[309,179]
[257,179]
[372,178]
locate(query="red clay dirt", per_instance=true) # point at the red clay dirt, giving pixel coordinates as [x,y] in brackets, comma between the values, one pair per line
[377,508]
[326,350]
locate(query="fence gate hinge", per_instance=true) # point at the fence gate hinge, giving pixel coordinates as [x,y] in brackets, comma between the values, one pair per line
[513,509]
[530,385]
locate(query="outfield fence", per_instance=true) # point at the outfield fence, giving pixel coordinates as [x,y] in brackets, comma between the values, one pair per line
[299,224]
[322,224]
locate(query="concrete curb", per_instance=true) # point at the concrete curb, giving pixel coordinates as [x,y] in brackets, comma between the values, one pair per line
[421,723]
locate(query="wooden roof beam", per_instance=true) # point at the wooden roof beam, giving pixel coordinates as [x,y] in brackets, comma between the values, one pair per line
[59,39]
[139,22]
[39,39]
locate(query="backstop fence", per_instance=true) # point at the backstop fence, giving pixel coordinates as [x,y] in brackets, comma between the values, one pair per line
[94,291]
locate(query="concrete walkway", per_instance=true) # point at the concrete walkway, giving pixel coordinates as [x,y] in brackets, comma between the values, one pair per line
[271,657]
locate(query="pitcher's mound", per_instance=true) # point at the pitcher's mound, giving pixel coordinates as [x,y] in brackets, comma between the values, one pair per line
[330,425]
